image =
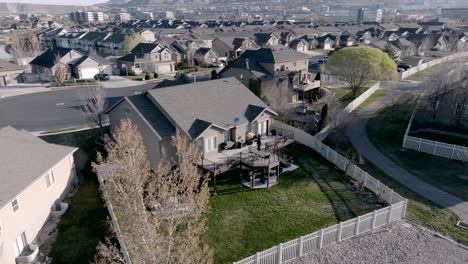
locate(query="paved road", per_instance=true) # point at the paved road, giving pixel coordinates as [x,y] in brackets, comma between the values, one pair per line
[358,137]
[53,109]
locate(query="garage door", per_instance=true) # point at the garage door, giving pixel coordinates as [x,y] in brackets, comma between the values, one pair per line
[88,73]
[164,68]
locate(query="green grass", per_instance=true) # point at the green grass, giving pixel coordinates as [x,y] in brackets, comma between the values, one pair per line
[243,221]
[84,224]
[136,77]
[419,76]
[373,98]
[324,51]
[196,69]
[345,95]
[386,131]
[441,138]
[73,83]
[420,210]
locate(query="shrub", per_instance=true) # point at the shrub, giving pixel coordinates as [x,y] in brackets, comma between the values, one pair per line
[147,76]
[155,75]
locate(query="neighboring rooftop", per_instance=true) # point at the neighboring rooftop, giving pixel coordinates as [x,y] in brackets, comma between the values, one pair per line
[6,66]
[217,102]
[23,159]
[273,55]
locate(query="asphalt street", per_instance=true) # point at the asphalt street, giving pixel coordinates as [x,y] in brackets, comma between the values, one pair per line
[53,109]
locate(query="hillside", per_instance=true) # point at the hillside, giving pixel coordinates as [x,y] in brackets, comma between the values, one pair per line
[24,8]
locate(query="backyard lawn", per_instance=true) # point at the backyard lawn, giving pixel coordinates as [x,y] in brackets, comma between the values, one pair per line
[84,224]
[420,210]
[386,131]
[345,95]
[243,221]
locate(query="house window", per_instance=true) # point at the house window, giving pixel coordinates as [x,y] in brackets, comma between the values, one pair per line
[227,136]
[20,244]
[15,205]
[210,144]
[50,178]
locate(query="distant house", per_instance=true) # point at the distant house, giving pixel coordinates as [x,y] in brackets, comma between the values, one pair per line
[147,57]
[232,47]
[273,66]
[266,39]
[299,45]
[9,73]
[327,42]
[36,177]
[205,56]
[78,66]
[346,40]
[220,111]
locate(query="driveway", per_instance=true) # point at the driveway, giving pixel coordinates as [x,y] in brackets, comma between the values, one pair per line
[120,82]
[357,134]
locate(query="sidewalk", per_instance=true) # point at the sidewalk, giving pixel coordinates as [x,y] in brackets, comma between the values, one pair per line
[8,91]
[357,134]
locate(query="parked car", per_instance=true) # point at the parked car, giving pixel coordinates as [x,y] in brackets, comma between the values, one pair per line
[101,77]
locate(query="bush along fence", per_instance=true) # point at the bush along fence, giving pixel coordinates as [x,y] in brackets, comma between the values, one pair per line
[429,64]
[115,226]
[303,245]
[348,109]
[432,147]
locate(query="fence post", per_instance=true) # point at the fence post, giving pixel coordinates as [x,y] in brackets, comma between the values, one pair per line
[301,246]
[391,196]
[280,253]
[389,217]
[453,151]
[435,147]
[340,229]
[374,218]
[321,238]
[377,189]
[257,258]
[405,204]
[356,231]
[419,146]
[365,179]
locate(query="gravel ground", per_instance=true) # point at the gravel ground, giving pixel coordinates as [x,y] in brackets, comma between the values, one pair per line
[400,243]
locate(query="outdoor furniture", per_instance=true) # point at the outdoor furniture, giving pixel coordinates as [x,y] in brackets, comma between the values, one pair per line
[229,145]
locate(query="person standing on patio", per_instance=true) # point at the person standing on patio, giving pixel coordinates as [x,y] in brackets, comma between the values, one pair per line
[259,142]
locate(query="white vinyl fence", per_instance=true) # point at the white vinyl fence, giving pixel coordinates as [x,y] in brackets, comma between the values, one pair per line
[349,108]
[303,245]
[115,225]
[426,65]
[436,148]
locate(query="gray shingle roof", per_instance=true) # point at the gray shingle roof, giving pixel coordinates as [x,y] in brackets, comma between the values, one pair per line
[151,113]
[193,106]
[273,55]
[23,159]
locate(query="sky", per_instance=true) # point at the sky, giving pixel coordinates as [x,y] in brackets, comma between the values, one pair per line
[57,2]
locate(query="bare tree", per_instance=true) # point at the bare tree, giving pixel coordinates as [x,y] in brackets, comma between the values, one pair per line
[161,213]
[60,71]
[149,65]
[458,100]
[337,117]
[35,46]
[108,252]
[278,94]
[425,46]
[395,97]
[93,105]
[18,46]
[436,85]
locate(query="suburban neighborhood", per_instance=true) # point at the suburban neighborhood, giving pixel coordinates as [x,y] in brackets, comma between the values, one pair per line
[240,132]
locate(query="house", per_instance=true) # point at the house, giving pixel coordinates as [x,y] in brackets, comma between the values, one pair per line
[77,65]
[232,47]
[147,57]
[36,177]
[299,45]
[346,40]
[220,110]
[9,73]
[327,42]
[205,56]
[266,39]
[272,67]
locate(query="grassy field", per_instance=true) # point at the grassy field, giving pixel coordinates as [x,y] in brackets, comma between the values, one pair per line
[386,131]
[345,95]
[84,224]
[374,97]
[420,210]
[243,221]
[196,69]
[441,138]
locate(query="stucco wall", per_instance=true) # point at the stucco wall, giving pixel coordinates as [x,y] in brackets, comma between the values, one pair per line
[150,140]
[35,204]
